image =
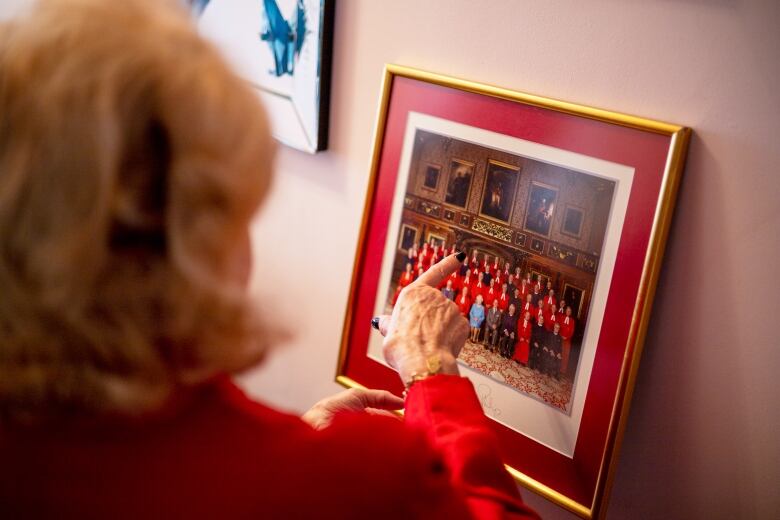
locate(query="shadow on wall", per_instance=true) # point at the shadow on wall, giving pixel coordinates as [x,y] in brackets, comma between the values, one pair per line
[691,375]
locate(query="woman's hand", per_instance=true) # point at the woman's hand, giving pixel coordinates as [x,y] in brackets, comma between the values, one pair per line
[426,331]
[376,402]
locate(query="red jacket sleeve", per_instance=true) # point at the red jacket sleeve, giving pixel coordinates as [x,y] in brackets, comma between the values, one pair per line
[446,408]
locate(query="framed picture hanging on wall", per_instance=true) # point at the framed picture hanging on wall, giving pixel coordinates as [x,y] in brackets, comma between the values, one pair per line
[283,48]
[527,158]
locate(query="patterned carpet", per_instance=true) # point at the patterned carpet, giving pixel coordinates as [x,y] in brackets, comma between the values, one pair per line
[541,387]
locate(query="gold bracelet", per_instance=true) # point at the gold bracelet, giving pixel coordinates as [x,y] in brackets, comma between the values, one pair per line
[433,363]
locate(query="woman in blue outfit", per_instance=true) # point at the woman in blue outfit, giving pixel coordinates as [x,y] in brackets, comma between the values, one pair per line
[476,317]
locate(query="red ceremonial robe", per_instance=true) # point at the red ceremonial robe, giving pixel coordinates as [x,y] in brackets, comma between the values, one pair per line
[464,304]
[523,345]
[488,295]
[528,307]
[503,301]
[406,279]
[567,331]
[550,320]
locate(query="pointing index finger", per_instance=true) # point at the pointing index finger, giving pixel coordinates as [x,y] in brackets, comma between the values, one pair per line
[439,271]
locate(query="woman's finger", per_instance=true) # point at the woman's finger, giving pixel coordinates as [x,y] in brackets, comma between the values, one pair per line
[380,399]
[441,270]
[384,413]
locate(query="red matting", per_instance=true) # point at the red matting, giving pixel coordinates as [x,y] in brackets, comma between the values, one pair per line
[645,151]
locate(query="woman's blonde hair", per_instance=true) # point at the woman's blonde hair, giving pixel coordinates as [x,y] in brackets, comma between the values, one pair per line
[131,163]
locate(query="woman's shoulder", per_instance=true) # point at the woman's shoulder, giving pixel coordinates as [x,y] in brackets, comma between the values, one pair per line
[360,459]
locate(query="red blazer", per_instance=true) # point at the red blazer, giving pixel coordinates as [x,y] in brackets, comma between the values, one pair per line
[488,296]
[463,306]
[503,301]
[527,307]
[216,454]
[567,329]
[550,319]
[476,289]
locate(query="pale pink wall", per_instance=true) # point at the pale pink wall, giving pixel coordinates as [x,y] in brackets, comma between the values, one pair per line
[701,439]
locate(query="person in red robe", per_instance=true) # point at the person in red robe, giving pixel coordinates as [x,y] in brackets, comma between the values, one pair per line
[562,308]
[421,263]
[528,306]
[499,277]
[507,271]
[490,293]
[420,271]
[540,315]
[464,302]
[523,345]
[465,282]
[549,300]
[551,317]
[486,265]
[479,285]
[405,279]
[503,298]
[424,256]
[525,289]
[474,259]
[495,268]
[568,325]
[455,279]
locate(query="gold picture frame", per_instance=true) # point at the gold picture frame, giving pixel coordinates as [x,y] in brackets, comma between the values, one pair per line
[451,171]
[678,138]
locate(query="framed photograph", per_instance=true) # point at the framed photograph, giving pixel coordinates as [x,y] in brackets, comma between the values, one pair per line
[541,208]
[465,220]
[559,423]
[537,246]
[498,194]
[520,239]
[459,183]
[572,221]
[430,177]
[283,48]
[407,238]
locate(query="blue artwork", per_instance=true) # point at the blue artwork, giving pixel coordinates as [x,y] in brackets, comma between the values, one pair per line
[283,48]
[198,6]
[285,38]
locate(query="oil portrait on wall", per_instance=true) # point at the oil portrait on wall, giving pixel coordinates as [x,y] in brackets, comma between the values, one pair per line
[563,211]
[283,48]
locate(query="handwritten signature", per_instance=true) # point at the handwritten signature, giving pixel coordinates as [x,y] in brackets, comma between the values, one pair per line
[484,394]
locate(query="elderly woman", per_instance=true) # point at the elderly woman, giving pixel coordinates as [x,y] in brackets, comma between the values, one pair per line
[131,164]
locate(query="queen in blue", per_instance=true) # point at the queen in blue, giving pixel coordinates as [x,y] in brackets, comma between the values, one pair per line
[476,317]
